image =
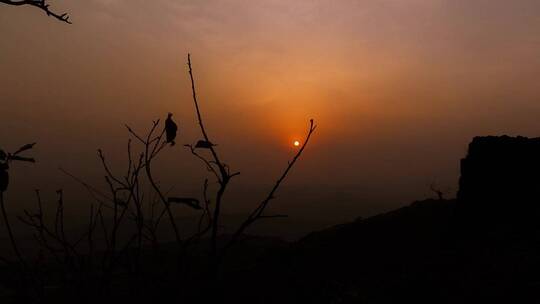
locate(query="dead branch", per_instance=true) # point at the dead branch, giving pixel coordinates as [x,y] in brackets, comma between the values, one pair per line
[10,232]
[152,147]
[224,175]
[257,213]
[92,190]
[437,191]
[40,4]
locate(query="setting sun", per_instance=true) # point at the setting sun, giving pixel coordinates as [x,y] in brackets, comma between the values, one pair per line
[282,134]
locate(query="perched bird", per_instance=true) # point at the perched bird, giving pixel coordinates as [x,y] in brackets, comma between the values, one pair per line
[203,144]
[170,129]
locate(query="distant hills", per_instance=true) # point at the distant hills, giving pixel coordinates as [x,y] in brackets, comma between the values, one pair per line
[482,247]
[410,255]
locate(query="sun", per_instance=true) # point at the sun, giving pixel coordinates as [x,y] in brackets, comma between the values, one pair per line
[296,143]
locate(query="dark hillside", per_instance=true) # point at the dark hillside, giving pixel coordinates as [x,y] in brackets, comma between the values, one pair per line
[408,255]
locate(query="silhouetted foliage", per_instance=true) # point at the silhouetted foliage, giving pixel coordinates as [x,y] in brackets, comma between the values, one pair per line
[125,223]
[223,175]
[5,160]
[437,191]
[419,253]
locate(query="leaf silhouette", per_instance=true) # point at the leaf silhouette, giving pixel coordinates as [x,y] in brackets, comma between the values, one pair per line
[20,158]
[191,202]
[24,148]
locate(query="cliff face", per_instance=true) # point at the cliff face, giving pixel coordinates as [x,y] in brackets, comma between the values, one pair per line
[500,180]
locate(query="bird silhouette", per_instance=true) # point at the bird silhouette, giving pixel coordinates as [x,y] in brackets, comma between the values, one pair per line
[204,144]
[170,129]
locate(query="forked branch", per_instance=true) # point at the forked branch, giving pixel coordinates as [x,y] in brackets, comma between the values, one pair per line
[222,173]
[42,5]
[258,212]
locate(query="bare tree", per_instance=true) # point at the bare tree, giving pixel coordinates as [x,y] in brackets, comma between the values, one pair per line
[440,193]
[136,199]
[40,4]
[222,172]
[258,212]
[223,175]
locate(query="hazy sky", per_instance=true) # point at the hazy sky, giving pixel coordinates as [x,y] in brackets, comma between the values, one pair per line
[397,87]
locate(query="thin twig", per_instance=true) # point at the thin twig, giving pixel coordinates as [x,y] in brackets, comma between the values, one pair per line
[88,187]
[257,213]
[10,232]
[42,5]
[224,174]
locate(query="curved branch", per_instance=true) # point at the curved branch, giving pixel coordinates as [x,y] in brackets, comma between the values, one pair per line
[201,124]
[10,232]
[257,213]
[224,177]
[42,5]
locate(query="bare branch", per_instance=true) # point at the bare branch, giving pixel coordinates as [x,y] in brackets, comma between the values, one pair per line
[437,191]
[14,245]
[108,171]
[149,155]
[258,212]
[42,5]
[206,162]
[135,134]
[223,177]
[93,191]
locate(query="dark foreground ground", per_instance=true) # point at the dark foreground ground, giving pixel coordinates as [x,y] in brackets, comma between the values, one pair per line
[422,253]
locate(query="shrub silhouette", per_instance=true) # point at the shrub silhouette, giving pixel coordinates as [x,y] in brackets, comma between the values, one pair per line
[122,234]
[5,160]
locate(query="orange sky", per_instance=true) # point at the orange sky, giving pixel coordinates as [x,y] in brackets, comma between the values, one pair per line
[398,88]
